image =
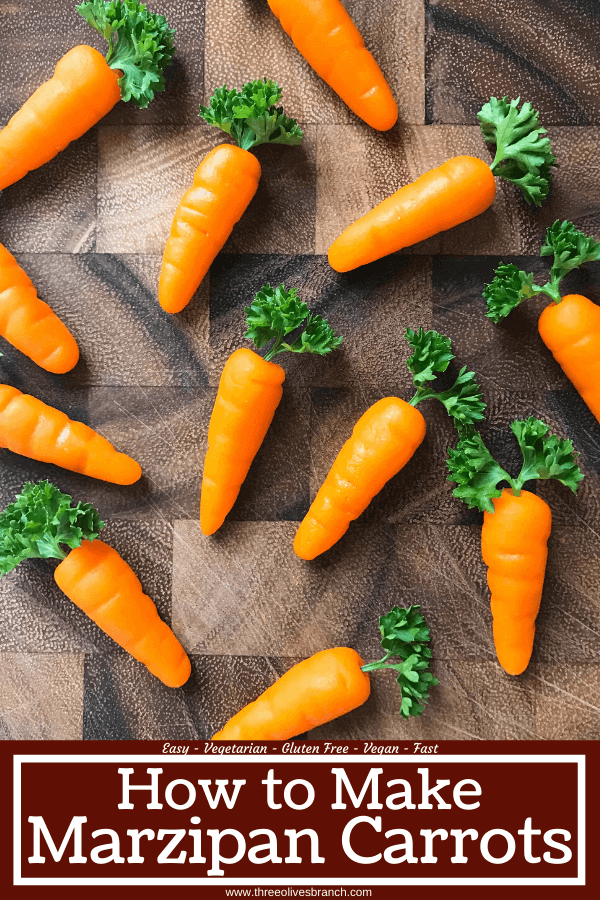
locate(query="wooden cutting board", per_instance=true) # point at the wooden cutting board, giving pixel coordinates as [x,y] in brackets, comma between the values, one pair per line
[89,228]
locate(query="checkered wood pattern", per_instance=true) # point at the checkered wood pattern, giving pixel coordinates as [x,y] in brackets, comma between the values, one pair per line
[89,228]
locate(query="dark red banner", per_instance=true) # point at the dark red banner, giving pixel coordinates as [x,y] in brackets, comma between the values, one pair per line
[296,815]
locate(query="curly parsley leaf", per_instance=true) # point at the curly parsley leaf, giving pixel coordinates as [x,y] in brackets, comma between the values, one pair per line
[250,115]
[275,312]
[140,45]
[523,152]
[39,521]
[545,455]
[317,337]
[476,472]
[463,401]
[570,248]
[405,634]
[510,286]
[432,354]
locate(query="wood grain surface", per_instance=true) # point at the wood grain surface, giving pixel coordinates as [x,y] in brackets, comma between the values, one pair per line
[89,228]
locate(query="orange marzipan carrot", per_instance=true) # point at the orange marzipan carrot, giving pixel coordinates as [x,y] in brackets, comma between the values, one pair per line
[571,331]
[31,428]
[99,581]
[383,440]
[249,392]
[514,541]
[316,690]
[29,324]
[330,42]
[224,184]
[458,190]
[82,90]
[85,85]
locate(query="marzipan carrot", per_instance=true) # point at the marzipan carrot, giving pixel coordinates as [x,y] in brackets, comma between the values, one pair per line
[85,86]
[569,327]
[93,575]
[99,581]
[384,439]
[330,42]
[514,547]
[516,527]
[224,184]
[29,324]
[334,682]
[249,392]
[33,429]
[571,331]
[458,190]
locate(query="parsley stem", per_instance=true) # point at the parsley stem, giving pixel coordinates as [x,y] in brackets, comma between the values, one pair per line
[275,348]
[378,664]
[552,288]
[423,393]
[499,157]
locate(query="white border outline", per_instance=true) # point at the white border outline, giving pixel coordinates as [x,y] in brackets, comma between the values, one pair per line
[20,759]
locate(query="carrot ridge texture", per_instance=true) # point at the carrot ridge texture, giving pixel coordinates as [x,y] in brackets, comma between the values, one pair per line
[31,428]
[514,547]
[316,690]
[99,581]
[458,190]
[382,442]
[327,38]
[571,331]
[82,90]
[31,325]
[224,184]
[249,392]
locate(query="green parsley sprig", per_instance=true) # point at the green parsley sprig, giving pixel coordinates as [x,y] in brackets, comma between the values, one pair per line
[478,476]
[569,247]
[523,153]
[140,45]
[40,520]
[431,356]
[275,312]
[405,635]
[251,116]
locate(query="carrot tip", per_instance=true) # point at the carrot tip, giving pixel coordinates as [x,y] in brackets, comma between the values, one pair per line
[128,471]
[181,675]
